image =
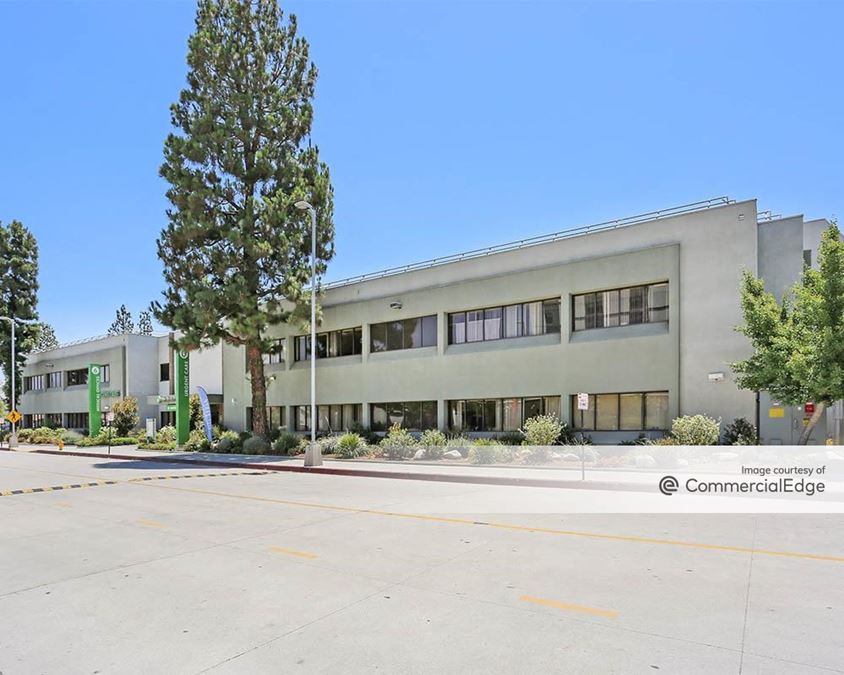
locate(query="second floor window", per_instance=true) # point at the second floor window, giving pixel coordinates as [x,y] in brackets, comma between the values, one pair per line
[420,331]
[277,353]
[509,321]
[54,380]
[346,342]
[620,307]
[75,377]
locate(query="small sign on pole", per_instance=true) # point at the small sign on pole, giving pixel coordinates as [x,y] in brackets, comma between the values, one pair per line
[14,417]
[809,408]
[583,401]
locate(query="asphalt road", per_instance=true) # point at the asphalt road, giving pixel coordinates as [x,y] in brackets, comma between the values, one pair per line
[229,571]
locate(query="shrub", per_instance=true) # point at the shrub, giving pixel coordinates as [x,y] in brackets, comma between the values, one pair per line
[301,448]
[125,415]
[490,452]
[166,435]
[511,438]
[70,437]
[367,434]
[542,430]
[255,445]
[285,443]
[160,447]
[485,441]
[740,432]
[433,438]
[197,442]
[537,454]
[327,444]
[696,430]
[350,445]
[398,443]
[228,442]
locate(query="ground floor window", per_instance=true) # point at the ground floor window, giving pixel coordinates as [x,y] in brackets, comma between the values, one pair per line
[499,414]
[33,421]
[632,411]
[337,417]
[276,417]
[76,421]
[168,418]
[419,415]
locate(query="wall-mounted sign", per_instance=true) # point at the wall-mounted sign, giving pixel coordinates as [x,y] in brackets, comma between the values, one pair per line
[809,408]
[583,401]
[110,393]
[776,412]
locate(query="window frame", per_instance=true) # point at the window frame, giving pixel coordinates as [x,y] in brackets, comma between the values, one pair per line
[395,333]
[518,311]
[593,305]
[577,416]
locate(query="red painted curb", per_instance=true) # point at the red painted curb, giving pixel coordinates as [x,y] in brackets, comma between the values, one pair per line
[367,473]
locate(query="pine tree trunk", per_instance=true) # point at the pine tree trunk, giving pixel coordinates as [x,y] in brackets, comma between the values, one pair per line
[259,390]
[820,408]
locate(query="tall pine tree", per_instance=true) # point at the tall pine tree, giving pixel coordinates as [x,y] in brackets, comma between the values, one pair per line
[18,297]
[236,250]
[122,323]
[145,322]
[46,338]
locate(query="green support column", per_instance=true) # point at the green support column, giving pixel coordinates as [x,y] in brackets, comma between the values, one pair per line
[94,399]
[182,398]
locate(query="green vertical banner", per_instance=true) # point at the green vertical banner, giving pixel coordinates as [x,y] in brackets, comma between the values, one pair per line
[94,399]
[182,398]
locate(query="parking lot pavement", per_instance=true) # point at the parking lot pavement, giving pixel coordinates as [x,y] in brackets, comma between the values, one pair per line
[229,571]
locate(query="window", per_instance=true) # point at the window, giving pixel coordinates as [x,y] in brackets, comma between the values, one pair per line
[105,373]
[168,417]
[335,417]
[164,372]
[53,420]
[276,354]
[78,420]
[807,257]
[34,383]
[33,421]
[496,323]
[54,380]
[76,377]
[634,411]
[345,342]
[497,414]
[406,334]
[418,415]
[620,307]
[276,417]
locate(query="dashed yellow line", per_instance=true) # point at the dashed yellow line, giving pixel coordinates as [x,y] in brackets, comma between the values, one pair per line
[606,613]
[527,528]
[293,551]
[54,488]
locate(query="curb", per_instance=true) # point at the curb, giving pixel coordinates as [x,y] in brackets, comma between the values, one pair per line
[364,473]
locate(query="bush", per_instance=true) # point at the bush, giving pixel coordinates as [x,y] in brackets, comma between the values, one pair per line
[349,446]
[197,442]
[166,435]
[367,434]
[70,437]
[537,454]
[160,447]
[398,443]
[433,438]
[511,438]
[740,432]
[125,415]
[327,444]
[228,442]
[285,443]
[490,452]
[542,430]
[696,430]
[485,441]
[255,445]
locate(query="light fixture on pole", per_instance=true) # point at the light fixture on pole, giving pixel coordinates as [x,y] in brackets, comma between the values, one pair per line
[313,456]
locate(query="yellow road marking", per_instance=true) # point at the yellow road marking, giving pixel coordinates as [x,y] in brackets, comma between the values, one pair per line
[521,528]
[291,551]
[150,523]
[606,613]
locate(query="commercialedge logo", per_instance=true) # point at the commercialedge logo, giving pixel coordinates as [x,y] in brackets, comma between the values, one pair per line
[668,485]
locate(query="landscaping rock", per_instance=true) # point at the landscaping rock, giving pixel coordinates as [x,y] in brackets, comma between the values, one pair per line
[452,454]
[569,457]
[645,462]
[420,454]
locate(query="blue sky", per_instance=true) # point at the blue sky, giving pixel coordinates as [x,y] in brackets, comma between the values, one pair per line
[447,126]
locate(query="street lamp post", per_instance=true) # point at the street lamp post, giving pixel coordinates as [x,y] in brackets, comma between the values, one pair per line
[13,439]
[313,456]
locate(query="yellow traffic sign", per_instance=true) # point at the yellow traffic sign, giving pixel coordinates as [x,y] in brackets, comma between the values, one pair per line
[14,417]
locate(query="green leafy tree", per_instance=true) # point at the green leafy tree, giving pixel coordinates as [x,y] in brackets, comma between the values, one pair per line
[122,323]
[125,415]
[18,297]
[798,344]
[236,250]
[46,338]
[145,323]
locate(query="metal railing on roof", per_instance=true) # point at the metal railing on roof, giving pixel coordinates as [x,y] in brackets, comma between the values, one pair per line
[86,340]
[534,241]
[767,216]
